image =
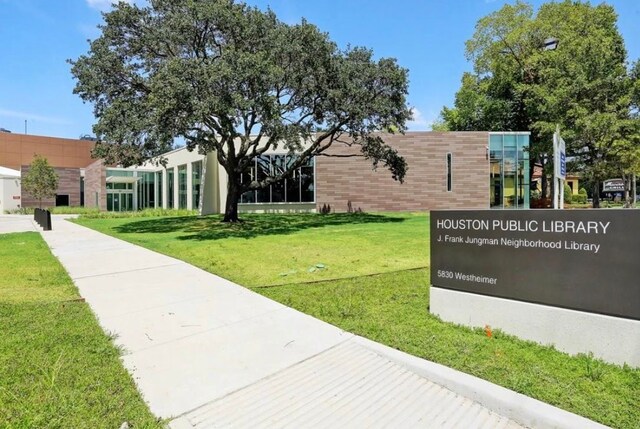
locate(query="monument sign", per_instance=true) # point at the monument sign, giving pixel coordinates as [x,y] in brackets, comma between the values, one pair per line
[586,260]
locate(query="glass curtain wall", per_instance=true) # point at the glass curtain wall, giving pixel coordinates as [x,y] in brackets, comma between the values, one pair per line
[299,188]
[182,186]
[509,171]
[146,190]
[196,181]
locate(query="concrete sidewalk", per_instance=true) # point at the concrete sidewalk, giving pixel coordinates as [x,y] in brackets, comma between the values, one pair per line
[213,354]
[17,223]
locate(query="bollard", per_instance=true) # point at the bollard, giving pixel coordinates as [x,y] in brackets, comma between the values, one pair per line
[43,218]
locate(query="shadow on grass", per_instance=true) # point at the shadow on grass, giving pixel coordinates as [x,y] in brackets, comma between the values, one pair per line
[253,225]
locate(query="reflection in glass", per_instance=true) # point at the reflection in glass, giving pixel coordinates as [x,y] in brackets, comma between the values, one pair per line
[300,186]
[263,166]
[509,171]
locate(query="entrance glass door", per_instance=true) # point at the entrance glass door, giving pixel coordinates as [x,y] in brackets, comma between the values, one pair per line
[119,201]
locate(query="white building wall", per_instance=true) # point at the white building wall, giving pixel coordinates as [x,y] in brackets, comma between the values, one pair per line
[9,190]
[175,159]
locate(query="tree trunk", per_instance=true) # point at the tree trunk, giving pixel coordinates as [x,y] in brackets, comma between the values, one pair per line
[596,194]
[233,198]
[626,179]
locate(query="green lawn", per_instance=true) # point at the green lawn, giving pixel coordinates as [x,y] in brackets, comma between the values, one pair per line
[391,307]
[277,249]
[57,368]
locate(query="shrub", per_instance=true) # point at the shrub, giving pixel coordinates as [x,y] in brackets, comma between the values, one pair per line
[579,199]
[567,194]
[582,191]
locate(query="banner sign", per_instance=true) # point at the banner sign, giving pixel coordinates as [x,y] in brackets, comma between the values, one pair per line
[559,156]
[584,260]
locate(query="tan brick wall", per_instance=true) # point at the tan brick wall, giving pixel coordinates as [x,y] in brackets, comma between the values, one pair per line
[340,180]
[95,180]
[17,150]
[68,184]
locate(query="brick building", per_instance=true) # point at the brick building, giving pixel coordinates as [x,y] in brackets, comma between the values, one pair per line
[446,170]
[67,156]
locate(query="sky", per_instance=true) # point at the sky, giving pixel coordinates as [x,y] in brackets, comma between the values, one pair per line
[426,36]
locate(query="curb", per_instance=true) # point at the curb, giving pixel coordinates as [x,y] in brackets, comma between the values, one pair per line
[520,408]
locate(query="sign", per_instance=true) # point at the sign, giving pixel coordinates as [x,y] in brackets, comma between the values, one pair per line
[579,259]
[613,185]
[16,197]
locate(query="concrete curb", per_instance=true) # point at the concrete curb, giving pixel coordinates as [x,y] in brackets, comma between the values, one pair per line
[520,408]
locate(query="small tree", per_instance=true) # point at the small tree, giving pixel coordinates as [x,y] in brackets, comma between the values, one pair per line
[41,180]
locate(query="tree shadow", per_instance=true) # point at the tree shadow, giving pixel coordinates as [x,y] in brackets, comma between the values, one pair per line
[253,225]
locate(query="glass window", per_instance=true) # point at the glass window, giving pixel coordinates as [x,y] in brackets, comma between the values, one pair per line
[159,187]
[196,180]
[182,186]
[449,182]
[299,187]
[509,183]
[293,182]
[307,182]
[263,167]
[277,168]
[170,187]
[247,177]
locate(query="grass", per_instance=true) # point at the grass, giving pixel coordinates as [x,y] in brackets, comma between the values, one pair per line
[276,249]
[393,309]
[376,284]
[57,368]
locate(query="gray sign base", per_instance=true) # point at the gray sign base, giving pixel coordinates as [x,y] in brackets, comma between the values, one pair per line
[612,339]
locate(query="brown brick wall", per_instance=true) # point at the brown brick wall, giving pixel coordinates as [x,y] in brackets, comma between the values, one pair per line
[68,184]
[17,150]
[95,180]
[340,180]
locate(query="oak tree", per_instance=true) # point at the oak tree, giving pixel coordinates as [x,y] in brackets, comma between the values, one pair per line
[234,80]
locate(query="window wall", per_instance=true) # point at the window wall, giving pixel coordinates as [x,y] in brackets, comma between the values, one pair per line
[146,190]
[182,186]
[509,170]
[196,183]
[299,188]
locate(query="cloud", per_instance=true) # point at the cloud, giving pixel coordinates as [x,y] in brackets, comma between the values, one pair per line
[104,4]
[31,117]
[421,121]
[418,121]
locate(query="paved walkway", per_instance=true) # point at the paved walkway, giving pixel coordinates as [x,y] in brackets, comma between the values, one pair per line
[17,223]
[213,354]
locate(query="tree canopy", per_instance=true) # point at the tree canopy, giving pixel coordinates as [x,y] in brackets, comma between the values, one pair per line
[584,85]
[234,79]
[41,181]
